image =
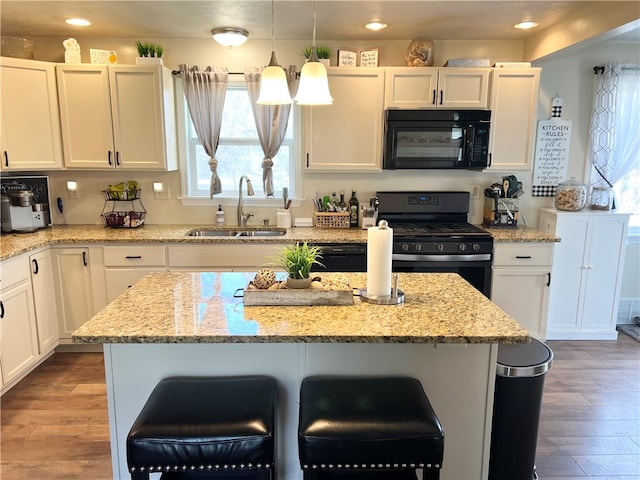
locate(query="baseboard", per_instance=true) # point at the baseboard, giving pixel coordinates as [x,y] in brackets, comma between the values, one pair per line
[628,310]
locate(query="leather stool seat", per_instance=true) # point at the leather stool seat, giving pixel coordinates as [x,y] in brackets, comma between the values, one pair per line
[206,427]
[367,427]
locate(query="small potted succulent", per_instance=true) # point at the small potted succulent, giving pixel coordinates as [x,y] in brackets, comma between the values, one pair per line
[149,53]
[323,52]
[297,260]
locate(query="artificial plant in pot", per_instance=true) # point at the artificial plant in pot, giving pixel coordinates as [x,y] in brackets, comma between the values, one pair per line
[297,260]
[149,53]
[323,52]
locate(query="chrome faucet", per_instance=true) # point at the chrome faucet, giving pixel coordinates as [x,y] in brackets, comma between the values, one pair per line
[244,217]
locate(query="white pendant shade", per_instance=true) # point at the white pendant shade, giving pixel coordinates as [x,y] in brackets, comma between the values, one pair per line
[314,85]
[274,89]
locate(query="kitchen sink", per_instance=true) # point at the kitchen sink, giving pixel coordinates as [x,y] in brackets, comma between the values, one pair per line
[235,233]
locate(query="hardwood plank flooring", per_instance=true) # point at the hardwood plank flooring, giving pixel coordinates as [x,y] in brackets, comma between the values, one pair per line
[54,423]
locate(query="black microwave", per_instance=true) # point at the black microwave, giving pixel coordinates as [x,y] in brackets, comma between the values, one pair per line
[444,139]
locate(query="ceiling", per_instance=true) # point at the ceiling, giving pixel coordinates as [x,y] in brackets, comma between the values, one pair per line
[336,20]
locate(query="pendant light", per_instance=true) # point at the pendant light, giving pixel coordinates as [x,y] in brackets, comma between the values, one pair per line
[274,89]
[314,85]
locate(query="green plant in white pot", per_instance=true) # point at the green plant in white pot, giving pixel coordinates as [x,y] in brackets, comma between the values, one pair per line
[297,260]
[149,53]
[322,51]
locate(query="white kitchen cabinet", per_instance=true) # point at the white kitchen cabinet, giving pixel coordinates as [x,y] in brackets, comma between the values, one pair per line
[221,257]
[30,132]
[18,336]
[521,277]
[72,279]
[117,117]
[587,270]
[44,300]
[347,136]
[430,87]
[124,265]
[514,109]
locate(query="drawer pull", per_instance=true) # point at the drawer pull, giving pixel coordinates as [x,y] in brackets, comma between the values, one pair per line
[523,257]
[133,257]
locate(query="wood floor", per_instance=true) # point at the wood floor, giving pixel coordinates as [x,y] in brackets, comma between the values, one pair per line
[54,423]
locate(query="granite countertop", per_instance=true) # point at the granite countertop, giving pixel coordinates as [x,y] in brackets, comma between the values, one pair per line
[200,307]
[13,244]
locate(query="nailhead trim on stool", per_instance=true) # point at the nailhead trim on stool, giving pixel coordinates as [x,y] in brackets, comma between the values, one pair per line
[368,425]
[205,425]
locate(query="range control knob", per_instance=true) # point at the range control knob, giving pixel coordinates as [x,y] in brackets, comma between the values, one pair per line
[440,247]
[418,247]
[475,247]
[462,247]
[404,247]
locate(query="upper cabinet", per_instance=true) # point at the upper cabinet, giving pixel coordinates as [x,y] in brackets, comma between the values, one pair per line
[514,106]
[117,117]
[347,136]
[30,130]
[428,87]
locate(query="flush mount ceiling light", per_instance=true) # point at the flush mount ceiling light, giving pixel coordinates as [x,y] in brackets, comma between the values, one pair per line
[230,36]
[274,89]
[525,25]
[314,85]
[376,26]
[78,22]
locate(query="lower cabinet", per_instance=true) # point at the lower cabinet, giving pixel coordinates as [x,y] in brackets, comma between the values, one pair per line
[44,300]
[125,265]
[18,334]
[520,283]
[72,280]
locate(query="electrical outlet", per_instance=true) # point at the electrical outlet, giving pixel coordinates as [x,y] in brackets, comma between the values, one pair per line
[475,192]
[163,195]
[74,194]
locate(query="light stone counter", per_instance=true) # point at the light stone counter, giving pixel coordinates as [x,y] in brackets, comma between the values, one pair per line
[18,243]
[201,308]
[446,335]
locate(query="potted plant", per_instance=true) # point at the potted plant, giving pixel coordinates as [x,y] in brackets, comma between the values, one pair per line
[323,52]
[297,261]
[149,53]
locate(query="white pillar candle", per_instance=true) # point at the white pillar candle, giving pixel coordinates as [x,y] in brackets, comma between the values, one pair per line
[379,250]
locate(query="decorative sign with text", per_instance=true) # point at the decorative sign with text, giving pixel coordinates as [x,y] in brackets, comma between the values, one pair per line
[347,58]
[369,58]
[552,152]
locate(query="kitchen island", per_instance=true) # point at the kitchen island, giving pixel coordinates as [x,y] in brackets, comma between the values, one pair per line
[445,334]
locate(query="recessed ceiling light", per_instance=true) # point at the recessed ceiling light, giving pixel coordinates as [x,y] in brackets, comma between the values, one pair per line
[525,25]
[376,25]
[78,22]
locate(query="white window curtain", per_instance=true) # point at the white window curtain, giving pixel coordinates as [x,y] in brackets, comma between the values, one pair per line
[205,91]
[271,123]
[615,124]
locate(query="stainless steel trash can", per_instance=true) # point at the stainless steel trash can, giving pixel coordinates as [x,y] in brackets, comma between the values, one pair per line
[516,409]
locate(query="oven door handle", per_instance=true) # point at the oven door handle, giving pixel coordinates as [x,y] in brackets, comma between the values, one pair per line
[402,257]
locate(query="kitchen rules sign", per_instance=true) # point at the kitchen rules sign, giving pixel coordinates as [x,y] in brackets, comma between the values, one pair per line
[552,152]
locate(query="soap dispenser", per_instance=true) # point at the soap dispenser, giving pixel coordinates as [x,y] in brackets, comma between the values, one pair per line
[220,215]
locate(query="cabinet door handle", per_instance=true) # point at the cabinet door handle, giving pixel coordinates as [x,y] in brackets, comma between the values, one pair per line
[109,158]
[441,96]
[548,279]
[490,159]
[117,159]
[84,258]
[133,257]
[1,309]
[433,97]
[6,159]
[523,257]
[307,160]
[35,266]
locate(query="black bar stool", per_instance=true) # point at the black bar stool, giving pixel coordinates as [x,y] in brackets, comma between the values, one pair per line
[380,428]
[206,427]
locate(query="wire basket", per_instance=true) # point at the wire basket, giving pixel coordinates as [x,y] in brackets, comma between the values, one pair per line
[131,194]
[129,219]
[331,219]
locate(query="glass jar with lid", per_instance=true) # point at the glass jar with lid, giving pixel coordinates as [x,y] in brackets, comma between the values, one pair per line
[571,195]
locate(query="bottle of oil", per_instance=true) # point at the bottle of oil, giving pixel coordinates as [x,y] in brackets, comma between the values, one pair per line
[354,209]
[342,204]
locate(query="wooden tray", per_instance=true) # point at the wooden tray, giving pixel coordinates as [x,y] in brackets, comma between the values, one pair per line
[300,297]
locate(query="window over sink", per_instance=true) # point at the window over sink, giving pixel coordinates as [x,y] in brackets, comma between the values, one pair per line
[239,153]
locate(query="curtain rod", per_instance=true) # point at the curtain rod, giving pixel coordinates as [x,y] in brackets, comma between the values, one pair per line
[600,69]
[177,72]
